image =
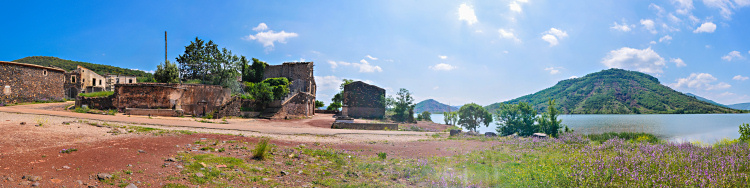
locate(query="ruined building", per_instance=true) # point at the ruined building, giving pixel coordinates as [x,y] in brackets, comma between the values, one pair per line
[363,100]
[118,79]
[23,82]
[300,102]
[83,80]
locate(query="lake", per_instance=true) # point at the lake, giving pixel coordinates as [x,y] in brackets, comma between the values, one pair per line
[705,128]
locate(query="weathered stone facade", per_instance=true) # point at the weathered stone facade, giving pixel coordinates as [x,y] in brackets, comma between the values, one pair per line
[91,81]
[193,99]
[72,84]
[102,103]
[363,100]
[112,80]
[300,102]
[20,82]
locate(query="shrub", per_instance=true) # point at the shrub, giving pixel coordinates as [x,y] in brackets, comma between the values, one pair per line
[84,109]
[260,150]
[382,155]
[629,136]
[745,132]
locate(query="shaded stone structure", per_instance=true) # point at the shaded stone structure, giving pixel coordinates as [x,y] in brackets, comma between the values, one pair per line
[112,80]
[192,99]
[363,100]
[300,102]
[90,80]
[72,84]
[21,82]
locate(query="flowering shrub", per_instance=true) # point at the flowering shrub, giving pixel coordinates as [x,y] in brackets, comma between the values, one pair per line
[71,150]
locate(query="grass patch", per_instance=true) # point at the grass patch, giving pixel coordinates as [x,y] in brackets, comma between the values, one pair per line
[261,149]
[175,185]
[629,136]
[97,94]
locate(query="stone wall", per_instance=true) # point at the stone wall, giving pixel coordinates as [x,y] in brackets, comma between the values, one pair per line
[365,126]
[300,76]
[101,103]
[193,99]
[20,82]
[72,84]
[364,100]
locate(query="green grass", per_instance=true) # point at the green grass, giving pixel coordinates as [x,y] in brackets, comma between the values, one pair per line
[261,149]
[97,94]
[174,185]
[629,136]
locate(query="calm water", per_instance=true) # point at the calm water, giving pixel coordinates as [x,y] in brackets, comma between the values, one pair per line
[706,128]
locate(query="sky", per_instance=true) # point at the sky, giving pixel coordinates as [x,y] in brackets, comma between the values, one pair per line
[455,52]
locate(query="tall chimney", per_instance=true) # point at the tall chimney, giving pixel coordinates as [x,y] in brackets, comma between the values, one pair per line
[165,46]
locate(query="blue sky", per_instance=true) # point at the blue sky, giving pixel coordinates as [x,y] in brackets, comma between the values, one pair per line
[453,51]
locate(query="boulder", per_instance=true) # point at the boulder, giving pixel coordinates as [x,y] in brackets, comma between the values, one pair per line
[131,186]
[490,134]
[455,132]
[472,133]
[103,176]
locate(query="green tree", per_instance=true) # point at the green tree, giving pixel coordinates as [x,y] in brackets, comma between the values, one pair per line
[516,118]
[548,123]
[205,62]
[319,104]
[167,73]
[261,92]
[426,116]
[334,106]
[280,87]
[450,118]
[253,73]
[338,98]
[194,60]
[403,106]
[744,132]
[471,116]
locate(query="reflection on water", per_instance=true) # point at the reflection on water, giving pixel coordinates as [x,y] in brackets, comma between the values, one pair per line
[706,128]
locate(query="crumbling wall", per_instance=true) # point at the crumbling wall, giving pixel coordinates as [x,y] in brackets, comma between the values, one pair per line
[364,100]
[21,82]
[193,99]
[101,103]
[231,108]
[300,106]
[300,75]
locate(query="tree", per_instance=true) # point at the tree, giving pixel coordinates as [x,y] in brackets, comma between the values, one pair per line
[450,118]
[211,65]
[334,106]
[192,62]
[167,73]
[471,116]
[319,104]
[261,92]
[338,98]
[403,106]
[516,118]
[548,123]
[253,73]
[426,116]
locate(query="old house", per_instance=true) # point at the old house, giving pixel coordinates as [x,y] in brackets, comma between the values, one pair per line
[90,80]
[363,100]
[23,82]
[118,79]
[300,102]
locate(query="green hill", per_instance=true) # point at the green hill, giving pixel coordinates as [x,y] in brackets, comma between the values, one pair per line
[433,106]
[616,91]
[70,65]
[741,106]
[705,99]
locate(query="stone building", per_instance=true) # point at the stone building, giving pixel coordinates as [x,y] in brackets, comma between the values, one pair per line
[118,79]
[23,82]
[300,102]
[72,84]
[192,99]
[90,80]
[363,100]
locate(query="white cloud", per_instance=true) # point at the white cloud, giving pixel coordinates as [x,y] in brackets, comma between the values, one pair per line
[327,82]
[659,11]
[553,36]
[553,70]
[442,67]
[649,25]
[466,13]
[436,87]
[740,78]
[707,27]
[261,27]
[645,60]
[150,71]
[742,3]
[674,18]
[442,57]
[668,28]
[693,19]
[701,81]
[683,6]
[269,37]
[515,7]
[508,34]
[665,38]
[652,42]
[572,77]
[732,55]
[624,27]
[335,64]
[725,6]
[365,66]
[373,58]
[678,62]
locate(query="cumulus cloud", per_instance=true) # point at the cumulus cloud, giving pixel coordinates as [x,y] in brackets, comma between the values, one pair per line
[665,38]
[700,81]
[553,36]
[572,77]
[335,64]
[466,13]
[649,25]
[269,37]
[553,70]
[508,34]
[659,11]
[443,57]
[732,55]
[726,6]
[683,6]
[740,78]
[674,18]
[365,66]
[442,67]
[515,7]
[327,82]
[624,27]
[645,60]
[373,58]
[707,27]
[678,62]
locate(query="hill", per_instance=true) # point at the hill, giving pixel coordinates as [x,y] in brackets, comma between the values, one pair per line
[616,91]
[70,65]
[741,106]
[705,99]
[433,106]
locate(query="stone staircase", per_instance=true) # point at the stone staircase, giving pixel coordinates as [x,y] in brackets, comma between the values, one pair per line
[276,106]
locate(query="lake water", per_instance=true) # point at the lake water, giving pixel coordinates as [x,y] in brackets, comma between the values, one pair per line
[705,128]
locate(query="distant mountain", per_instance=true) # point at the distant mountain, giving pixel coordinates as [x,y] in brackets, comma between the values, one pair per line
[705,99]
[433,106]
[741,106]
[616,91]
[70,65]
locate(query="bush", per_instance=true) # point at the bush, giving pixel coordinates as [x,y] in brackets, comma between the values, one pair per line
[629,136]
[260,150]
[382,155]
[97,94]
[85,109]
[745,132]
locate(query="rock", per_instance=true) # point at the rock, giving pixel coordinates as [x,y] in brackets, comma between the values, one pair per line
[539,135]
[79,182]
[9,179]
[166,164]
[92,186]
[32,178]
[179,167]
[221,166]
[455,132]
[103,176]
[25,183]
[200,175]
[66,167]
[131,186]
[490,134]
[472,133]
[284,173]
[35,184]
[23,123]
[141,151]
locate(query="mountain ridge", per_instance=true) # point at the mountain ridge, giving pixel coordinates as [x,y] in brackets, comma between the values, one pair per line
[433,106]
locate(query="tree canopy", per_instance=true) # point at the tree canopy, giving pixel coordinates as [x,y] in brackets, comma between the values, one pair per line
[167,73]
[471,116]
